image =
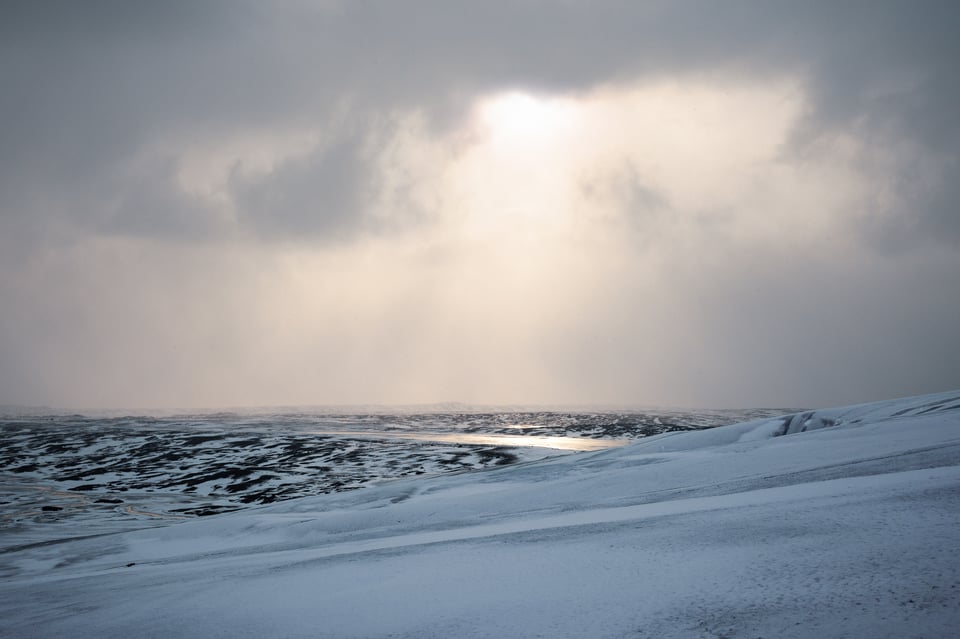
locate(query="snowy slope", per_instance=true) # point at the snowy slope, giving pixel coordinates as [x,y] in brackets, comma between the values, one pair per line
[830,523]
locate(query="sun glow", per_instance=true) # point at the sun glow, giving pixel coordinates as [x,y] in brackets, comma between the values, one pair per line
[519,119]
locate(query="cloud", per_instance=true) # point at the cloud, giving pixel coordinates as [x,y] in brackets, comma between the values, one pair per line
[321,195]
[240,202]
[92,88]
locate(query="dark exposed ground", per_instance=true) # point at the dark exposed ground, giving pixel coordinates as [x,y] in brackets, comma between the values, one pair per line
[59,468]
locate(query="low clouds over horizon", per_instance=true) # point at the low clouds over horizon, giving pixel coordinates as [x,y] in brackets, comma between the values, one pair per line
[661,203]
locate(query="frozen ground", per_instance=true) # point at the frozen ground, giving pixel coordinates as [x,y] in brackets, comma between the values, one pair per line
[68,475]
[831,523]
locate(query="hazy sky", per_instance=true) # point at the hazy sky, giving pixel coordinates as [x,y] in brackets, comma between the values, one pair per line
[648,203]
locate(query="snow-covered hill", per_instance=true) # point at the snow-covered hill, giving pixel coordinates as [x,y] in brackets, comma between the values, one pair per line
[832,523]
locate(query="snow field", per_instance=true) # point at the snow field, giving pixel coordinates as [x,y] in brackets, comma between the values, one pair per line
[763,529]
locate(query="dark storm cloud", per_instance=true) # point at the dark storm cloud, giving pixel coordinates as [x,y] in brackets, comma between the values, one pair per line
[886,70]
[87,86]
[318,195]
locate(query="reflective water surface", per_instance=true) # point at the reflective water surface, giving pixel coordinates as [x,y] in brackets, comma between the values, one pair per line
[533,441]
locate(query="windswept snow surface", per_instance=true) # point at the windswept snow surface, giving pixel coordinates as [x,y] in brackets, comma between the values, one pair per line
[831,523]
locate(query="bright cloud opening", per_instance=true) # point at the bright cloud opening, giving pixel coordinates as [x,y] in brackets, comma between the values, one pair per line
[517,119]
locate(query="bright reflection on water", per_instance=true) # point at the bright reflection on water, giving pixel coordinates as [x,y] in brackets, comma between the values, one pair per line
[537,441]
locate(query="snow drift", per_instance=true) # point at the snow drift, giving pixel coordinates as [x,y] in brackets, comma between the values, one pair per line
[836,522]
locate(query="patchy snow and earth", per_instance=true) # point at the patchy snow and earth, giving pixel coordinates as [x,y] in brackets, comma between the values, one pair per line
[831,523]
[67,475]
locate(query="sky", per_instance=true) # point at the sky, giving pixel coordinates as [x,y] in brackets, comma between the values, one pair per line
[694,204]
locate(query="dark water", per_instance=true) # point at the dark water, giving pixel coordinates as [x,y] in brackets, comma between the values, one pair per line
[106,472]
